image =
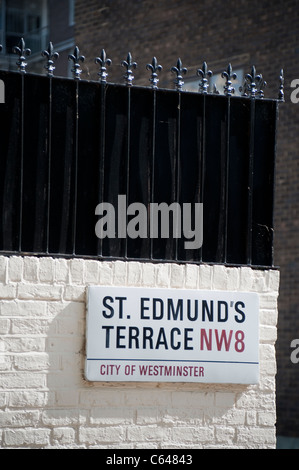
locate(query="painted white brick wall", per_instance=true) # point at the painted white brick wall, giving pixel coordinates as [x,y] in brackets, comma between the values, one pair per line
[45,401]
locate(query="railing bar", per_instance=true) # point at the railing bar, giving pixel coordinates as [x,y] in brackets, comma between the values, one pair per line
[66,215]
[102,157]
[49,164]
[75,167]
[21,162]
[203,158]
[128,161]
[178,166]
[226,180]
[152,173]
[250,182]
[274,175]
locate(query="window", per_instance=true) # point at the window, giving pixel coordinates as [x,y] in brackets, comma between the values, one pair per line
[2,12]
[23,18]
[217,81]
[71,12]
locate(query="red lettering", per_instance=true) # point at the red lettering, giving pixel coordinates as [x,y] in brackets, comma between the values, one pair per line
[239,344]
[203,338]
[224,339]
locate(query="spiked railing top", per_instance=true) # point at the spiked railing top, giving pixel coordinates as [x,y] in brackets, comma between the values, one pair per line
[179,70]
[129,64]
[281,84]
[21,51]
[253,84]
[205,74]
[154,67]
[76,58]
[103,61]
[50,56]
[229,75]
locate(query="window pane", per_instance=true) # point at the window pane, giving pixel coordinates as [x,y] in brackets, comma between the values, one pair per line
[33,22]
[14,21]
[24,18]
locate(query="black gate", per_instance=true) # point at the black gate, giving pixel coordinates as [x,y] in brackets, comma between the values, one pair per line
[67,145]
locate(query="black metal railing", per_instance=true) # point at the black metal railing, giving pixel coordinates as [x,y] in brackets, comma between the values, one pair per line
[67,145]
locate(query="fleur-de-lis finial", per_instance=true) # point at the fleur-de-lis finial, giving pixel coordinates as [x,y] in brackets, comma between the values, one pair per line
[155,68]
[128,64]
[51,56]
[204,73]
[103,61]
[253,85]
[260,85]
[179,70]
[22,52]
[251,79]
[76,57]
[229,75]
[281,85]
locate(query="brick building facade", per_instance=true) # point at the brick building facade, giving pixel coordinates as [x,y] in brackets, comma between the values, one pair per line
[260,33]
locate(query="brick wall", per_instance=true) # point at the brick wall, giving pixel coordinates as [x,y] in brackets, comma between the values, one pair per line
[260,33]
[45,401]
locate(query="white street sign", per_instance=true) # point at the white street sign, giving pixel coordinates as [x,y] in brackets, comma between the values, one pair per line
[172,335]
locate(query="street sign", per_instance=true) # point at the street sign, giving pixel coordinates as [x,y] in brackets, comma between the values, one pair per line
[172,335]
